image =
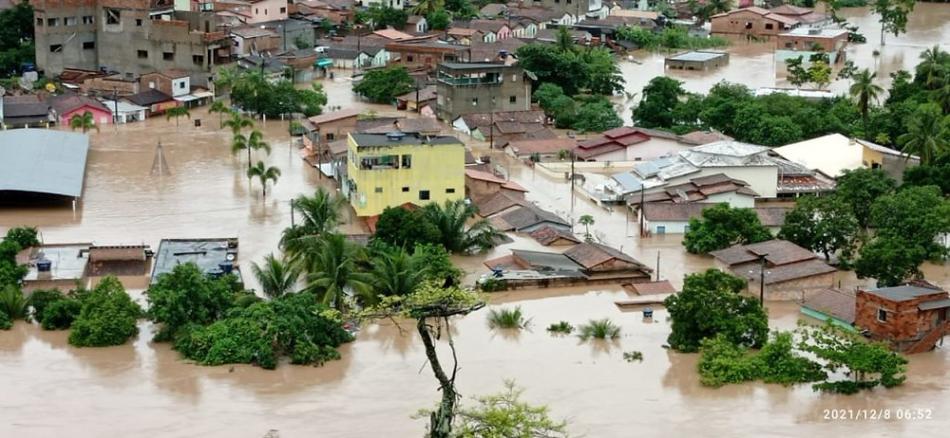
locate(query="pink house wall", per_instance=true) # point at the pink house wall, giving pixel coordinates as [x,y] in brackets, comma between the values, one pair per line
[504,33]
[101,117]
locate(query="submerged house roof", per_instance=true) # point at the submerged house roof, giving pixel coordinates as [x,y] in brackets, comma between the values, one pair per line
[43,161]
[550,235]
[527,216]
[784,261]
[215,256]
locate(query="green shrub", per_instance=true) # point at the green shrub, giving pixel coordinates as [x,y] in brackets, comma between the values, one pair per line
[24,237]
[492,285]
[599,329]
[562,327]
[59,315]
[779,364]
[507,318]
[307,352]
[12,303]
[722,362]
[5,323]
[107,317]
[40,299]
[294,325]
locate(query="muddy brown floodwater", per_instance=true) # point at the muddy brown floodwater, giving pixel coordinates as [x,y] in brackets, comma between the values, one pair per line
[49,389]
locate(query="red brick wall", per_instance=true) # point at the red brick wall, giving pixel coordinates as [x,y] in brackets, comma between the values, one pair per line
[904,320]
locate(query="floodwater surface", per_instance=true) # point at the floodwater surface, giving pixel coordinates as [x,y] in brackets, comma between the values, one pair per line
[48,389]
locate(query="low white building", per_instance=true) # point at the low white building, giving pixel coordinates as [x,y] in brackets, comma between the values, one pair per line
[833,154]
[126,112]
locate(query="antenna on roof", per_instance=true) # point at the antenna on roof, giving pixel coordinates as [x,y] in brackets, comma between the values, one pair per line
[159,164]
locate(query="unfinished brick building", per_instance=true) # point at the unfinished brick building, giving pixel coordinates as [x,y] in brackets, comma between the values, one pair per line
[130,37]
[913,318]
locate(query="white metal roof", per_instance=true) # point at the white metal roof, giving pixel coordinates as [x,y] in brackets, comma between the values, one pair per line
[43,161]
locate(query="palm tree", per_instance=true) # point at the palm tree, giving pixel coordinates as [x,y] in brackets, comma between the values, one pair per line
[333,273]
[426,7]
[265,174]
[252,142]
[396,273]
[86,121]
[927,134]
[586,220]
[458,236]
[221,108]
[320,214]
[177,112]
[237,123]
[932,67]
[278,276]
[866,92]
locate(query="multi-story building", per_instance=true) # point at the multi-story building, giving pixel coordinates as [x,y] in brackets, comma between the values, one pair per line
[480,87]
[130,37]
[390,170]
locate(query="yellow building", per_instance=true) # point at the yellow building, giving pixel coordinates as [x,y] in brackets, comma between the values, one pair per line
[389,170]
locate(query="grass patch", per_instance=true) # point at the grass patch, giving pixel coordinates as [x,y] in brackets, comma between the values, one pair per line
[633,356]
[563,327]
[507,319]
[599,329]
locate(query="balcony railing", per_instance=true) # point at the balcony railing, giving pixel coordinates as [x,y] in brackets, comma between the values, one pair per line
[469,82]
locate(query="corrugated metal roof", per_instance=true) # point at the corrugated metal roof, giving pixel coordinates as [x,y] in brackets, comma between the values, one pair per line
[43,161]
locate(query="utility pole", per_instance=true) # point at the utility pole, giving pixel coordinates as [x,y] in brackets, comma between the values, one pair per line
[658,266]
[572,188]
[642,210]
[115,106]
[762,279]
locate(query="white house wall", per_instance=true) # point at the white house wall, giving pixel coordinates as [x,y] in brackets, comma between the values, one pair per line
[735,200]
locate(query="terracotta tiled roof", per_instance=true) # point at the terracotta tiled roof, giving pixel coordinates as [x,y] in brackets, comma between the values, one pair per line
[548,146]
[485,176]
[832,302]
[653,287]
[672,212]
[590,255]
[549,235]
[490,205]
[777,252]
[334,116]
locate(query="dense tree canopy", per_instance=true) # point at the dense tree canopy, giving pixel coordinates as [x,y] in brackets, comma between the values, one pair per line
[575,70]
[859,188]
[188,296]
[107,317]
[383,85]
[294,325]
[252,92]
[711,304]
[585,113]
[823,224]
[406,228]
[906,224]
[723,226]
[16,37]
